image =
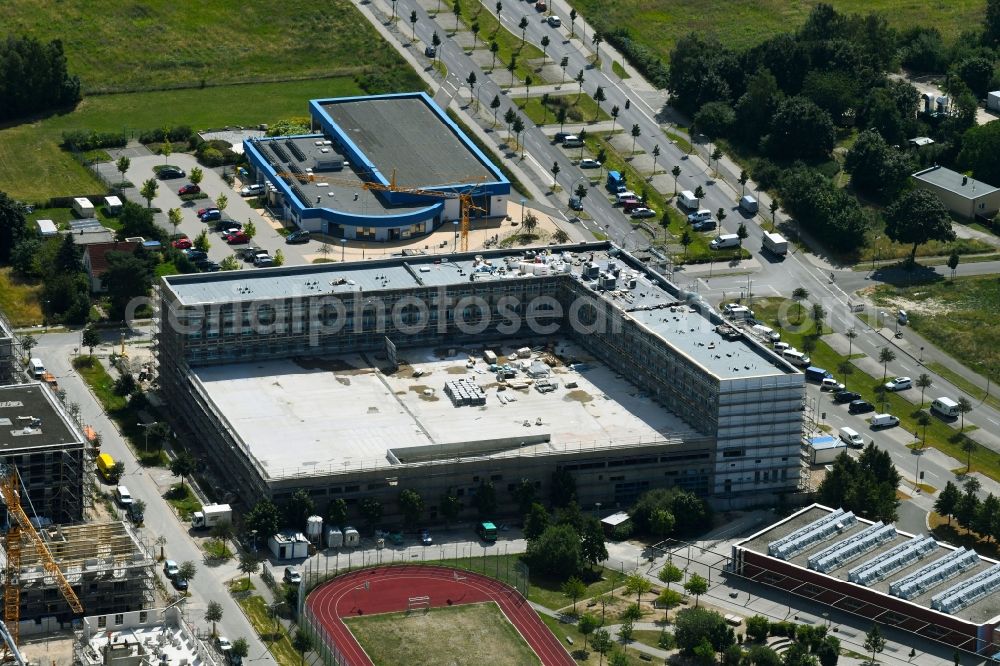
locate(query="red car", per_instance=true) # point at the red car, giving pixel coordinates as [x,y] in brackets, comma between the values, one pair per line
[190,188]
[236,238]
[182,244]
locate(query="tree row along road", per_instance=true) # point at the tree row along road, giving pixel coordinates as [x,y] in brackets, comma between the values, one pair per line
[782,277]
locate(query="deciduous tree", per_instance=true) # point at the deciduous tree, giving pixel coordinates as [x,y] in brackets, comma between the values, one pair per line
[917,217]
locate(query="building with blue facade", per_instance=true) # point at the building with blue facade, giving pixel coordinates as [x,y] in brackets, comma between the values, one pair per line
[336,180]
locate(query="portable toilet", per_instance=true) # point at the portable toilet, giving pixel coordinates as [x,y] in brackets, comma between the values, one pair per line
[314,528]
[351,537]
[334,537]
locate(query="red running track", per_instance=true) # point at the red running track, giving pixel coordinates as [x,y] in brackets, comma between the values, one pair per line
[390,588]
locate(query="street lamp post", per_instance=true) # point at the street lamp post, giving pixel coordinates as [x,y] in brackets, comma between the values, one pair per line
[145,427]
[253,535]
[522,210]
[454,241]
[343,249]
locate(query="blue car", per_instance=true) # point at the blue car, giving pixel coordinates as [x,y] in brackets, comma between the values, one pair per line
[211,216]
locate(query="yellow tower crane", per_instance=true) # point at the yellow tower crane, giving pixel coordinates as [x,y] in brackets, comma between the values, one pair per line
[21,527]
[464,198]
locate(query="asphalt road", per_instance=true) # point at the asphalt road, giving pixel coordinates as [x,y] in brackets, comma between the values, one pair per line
[146,483]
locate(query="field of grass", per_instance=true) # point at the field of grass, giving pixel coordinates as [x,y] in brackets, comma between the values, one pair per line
[939,434]
[19,299]
[658,24]
[510,44]
[957,315]
[975,393]
[54,172]
[101,383]
[470,634]
[272,633]
[580,108]
[159,44]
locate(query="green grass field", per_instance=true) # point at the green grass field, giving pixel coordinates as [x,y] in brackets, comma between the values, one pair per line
[470,635]
[658,24]
[163,43]
[19,299]
[580,108]
[53,172]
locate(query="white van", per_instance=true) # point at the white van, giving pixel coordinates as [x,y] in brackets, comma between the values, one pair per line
[884,421]
[723,241]
[572,141]
[123,496]
[37,368]
[852,438]
[945,407]
[627,195]
[688,200]
[765,333]
[795,357]
[739,313]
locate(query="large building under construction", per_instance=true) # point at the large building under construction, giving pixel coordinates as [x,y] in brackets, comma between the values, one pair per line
[40,439]
[436,373]
[8,357]
[106,564]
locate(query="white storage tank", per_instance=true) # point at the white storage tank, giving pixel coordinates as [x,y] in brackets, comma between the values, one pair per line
[314,528]
[334,537]
[351,537]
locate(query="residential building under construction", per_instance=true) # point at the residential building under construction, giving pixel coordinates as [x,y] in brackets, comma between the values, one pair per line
[108,566]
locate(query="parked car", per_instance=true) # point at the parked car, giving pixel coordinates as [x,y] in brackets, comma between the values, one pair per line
[195,255]
[705,225]
[248,253]
[830,384]
[236,238]
[182,243]
[860,407]
[223,644]
[174,237]
[170,569]
[425,537]
[430,51]
[292,576]
[300,236]
[171,172]
[180,584]
[212,216]
[589,164]
[209,267]
[846,396]
[263,261]
[554,21]
[223,225]
[561,136]
[251,190]
[190,188]
[899,384]
[640,213]
[202,211]
[884,421]
[576,203]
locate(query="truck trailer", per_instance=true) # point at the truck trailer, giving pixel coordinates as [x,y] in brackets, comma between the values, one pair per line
[774,243]
[211,515]
[615,182]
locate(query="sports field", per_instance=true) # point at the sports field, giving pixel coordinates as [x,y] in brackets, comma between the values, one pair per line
[473,634]
[658,24]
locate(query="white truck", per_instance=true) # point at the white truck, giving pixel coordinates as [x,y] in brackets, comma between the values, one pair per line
[211,515]
[689,200]
[774,243]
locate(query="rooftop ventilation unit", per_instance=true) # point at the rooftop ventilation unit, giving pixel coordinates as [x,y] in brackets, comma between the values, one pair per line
[967,592]
[853,546]
[934,574]
[814,532]
[892,560]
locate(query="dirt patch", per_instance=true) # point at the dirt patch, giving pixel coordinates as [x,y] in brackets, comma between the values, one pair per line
[929,306]
[420,389]
[457,370]
[578,396]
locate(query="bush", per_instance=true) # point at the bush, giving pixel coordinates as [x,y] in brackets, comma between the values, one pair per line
[84,140]
[647,62]
[178,134]
[622,532]
[216,153]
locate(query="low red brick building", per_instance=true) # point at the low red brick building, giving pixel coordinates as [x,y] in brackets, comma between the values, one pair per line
[914,583]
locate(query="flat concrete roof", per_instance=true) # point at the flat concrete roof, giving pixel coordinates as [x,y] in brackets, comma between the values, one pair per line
[342,414]
[952,181]
[981,611]
[401,134]
[337,189]
[50,425]
[650,302]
